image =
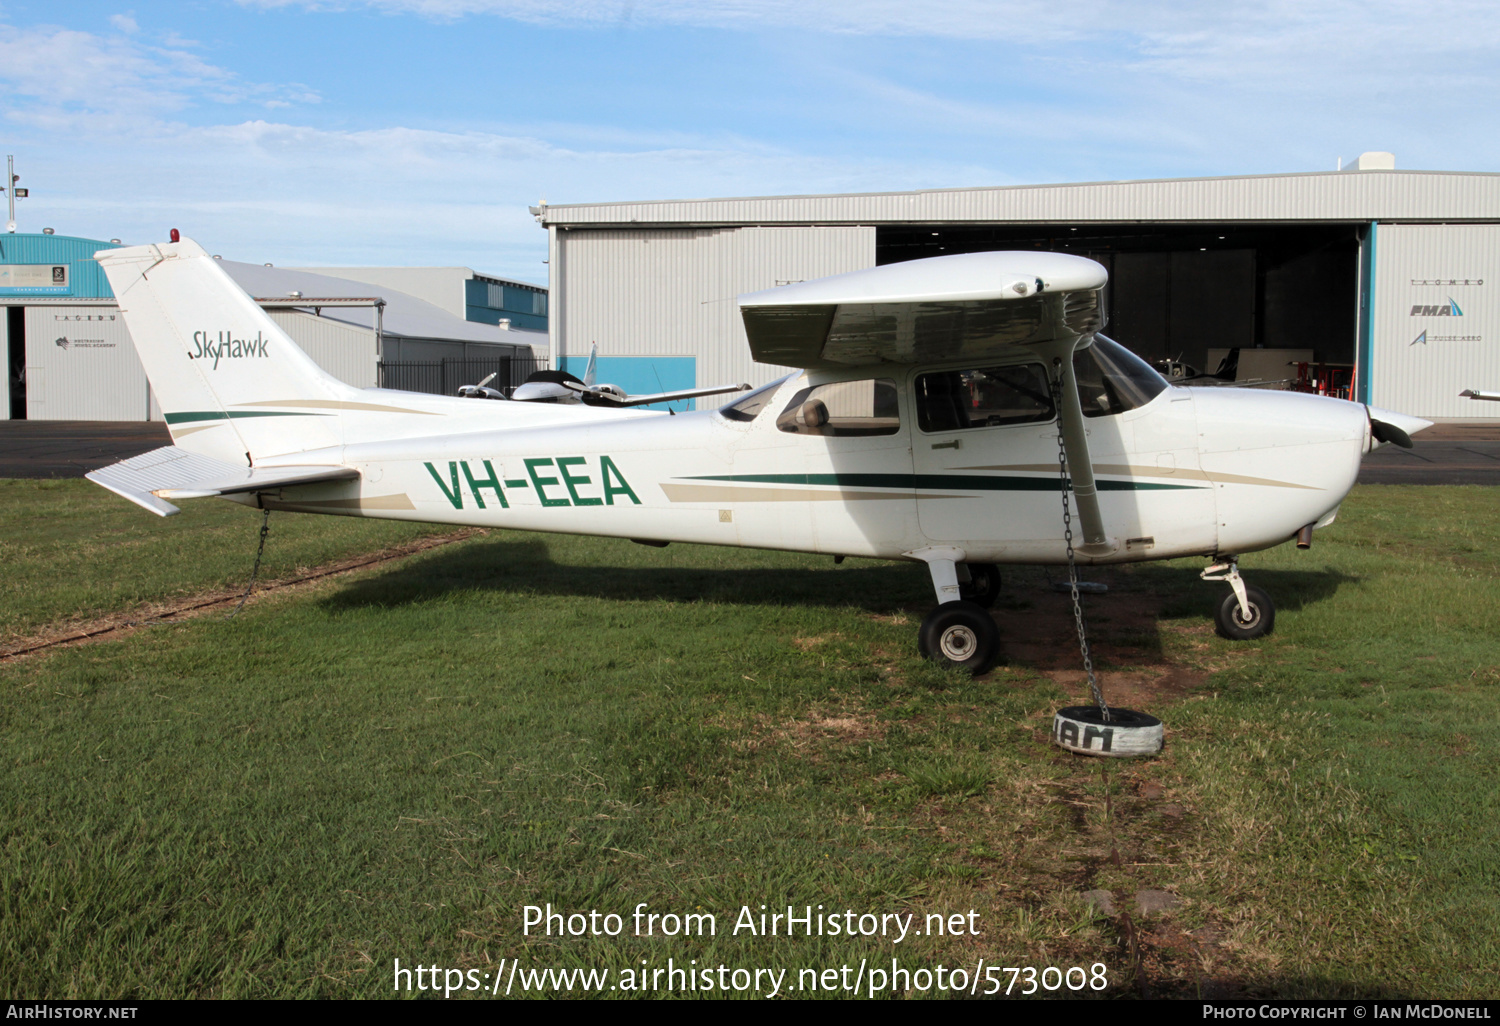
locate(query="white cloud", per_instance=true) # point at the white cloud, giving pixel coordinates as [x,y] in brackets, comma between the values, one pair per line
[1347,46]
[297,194]
[47,71]
[125,23]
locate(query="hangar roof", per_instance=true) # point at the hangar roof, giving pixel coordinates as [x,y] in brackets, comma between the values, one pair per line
[405,315]
[1349,195]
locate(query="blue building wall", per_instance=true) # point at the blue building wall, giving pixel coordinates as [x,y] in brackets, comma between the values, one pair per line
[486,302]
[643,375]
[85,276]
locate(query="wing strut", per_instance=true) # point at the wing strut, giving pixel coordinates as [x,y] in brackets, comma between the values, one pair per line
[1076,443]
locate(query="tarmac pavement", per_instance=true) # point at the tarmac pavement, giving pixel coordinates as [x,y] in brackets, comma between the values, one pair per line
[1443,454]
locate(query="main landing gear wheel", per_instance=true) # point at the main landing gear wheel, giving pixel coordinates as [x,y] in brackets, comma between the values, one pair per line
[960,634]
[1083,729]
[983,585]
[1256,621]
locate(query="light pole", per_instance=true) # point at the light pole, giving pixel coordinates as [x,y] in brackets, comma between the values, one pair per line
[11,192]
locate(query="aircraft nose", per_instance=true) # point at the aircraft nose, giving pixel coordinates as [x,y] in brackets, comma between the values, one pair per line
[1388,426]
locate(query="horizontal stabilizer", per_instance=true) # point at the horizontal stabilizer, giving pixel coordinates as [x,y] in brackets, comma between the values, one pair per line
[148,480]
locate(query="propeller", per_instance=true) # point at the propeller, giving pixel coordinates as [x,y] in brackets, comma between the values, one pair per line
[1384,432]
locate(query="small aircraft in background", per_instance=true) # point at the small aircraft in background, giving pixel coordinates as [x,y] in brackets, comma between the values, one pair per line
[935,403]
[555,386]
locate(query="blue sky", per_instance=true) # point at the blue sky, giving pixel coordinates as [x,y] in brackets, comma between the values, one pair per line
[418,131]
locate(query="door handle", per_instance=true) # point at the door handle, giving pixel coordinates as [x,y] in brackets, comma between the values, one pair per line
[956,443]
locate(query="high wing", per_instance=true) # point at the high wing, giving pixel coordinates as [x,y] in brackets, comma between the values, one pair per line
[151,478]
[595,396]
[967,305]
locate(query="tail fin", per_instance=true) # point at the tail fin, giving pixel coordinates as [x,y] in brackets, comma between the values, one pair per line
[231,384]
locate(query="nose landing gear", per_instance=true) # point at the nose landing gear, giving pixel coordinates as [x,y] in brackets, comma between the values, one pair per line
[959,632]
[1246,612]
[983,584]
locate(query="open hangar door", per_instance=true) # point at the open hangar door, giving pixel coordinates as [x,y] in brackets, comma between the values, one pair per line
[1177,291]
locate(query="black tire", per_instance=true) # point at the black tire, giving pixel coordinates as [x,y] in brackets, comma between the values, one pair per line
[960,634]
[983,587]
[1261,621]
[1083,729]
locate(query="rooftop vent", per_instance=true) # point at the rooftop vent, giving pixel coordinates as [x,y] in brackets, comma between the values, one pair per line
[1372,161]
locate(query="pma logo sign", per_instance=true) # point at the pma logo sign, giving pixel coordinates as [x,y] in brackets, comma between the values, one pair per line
[1448,309]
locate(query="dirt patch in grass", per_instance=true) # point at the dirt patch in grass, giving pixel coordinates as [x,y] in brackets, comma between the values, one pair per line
[1124,629]
[83,632]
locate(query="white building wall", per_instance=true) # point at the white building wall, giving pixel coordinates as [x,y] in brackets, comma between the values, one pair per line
[346,351]
[81,365]
[1420,358]
[672,292]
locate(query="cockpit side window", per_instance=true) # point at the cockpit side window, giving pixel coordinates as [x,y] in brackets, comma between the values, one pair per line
[1112,379]
[843,409]
[989,397]
[748,407]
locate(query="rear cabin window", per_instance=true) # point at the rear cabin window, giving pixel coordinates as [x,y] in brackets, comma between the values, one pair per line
[843,409]
[748,407]
[988,397]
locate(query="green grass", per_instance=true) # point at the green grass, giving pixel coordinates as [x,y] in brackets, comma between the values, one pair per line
[72,551]
[393,765]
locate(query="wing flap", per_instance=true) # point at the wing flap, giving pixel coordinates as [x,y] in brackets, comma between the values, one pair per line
[150,479]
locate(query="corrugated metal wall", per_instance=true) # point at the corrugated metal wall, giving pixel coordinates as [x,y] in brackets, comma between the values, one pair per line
[1437,319]
[81,365]
[344,350]
[1335,196]
[671,292]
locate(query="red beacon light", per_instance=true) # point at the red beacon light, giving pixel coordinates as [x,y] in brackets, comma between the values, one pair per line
[176,235]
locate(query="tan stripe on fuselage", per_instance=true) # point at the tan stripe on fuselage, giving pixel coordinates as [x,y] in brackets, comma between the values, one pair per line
[398,501]
[336,404]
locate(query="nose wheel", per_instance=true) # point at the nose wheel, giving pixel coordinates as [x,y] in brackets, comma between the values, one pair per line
[960,634]
[1247,612]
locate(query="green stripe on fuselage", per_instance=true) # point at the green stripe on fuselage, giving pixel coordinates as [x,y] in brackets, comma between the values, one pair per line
[988,483]
[188,418]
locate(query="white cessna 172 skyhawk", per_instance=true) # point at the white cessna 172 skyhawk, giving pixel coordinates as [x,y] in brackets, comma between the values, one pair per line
[924,425]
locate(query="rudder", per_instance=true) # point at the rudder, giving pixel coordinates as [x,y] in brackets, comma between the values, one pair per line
[230,382]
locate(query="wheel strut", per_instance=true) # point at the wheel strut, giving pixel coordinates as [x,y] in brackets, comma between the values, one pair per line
[1229,570]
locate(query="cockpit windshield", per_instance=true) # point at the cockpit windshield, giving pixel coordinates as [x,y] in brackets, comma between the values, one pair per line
[1112,379]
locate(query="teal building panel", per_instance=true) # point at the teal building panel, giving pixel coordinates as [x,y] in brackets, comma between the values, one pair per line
[643,375]
[85,278]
